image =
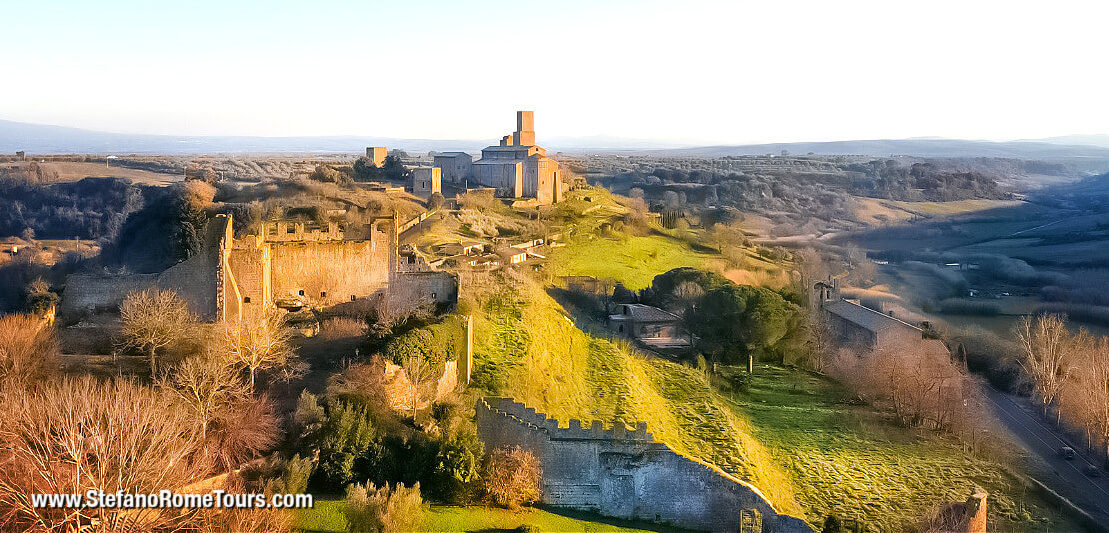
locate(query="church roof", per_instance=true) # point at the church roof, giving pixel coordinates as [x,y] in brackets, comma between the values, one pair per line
[865,317]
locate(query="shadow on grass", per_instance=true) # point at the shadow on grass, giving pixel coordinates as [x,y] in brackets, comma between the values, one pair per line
[587,516]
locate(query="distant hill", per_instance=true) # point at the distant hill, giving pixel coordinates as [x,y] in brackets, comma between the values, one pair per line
[909,147]
[1087,140]
[43,139]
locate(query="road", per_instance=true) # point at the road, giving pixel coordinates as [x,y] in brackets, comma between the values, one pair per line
[1039,438]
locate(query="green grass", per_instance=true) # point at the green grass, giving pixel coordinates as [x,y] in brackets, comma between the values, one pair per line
[854,462]
[632,260]
[327,517]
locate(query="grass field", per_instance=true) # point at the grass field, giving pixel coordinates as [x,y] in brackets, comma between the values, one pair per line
[327,517]
[852,461]
[633,261]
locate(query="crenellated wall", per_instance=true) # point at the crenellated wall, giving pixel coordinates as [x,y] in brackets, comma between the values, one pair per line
[622,472]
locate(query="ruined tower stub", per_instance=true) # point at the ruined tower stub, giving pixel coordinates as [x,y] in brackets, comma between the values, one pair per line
[976,511]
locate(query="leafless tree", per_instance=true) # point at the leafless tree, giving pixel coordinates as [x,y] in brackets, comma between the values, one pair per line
[1047,354]
[1084,399]
[207,386]
[259,344]
[28,350]
[241,430]
[79,434]
[420,374]
[153,319]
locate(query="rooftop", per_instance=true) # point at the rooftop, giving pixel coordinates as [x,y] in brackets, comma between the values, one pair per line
[644,313]
[865,317]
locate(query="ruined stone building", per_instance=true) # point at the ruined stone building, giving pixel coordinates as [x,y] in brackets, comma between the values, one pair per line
[626,474]
[290,265]
[652,326]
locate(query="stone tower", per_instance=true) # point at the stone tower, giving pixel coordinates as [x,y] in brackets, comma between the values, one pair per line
[525,129]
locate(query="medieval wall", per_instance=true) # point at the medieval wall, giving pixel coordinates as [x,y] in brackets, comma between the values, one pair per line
[398,392]
[329,273]
[85,294]
[250,263]
[626,474]
[410,290]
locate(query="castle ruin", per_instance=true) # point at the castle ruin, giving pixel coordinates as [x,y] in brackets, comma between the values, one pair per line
[626,474]
[290,265]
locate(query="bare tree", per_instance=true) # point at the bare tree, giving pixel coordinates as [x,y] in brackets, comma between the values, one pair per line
[70,436]
[1084,399]
[419,372]
[28,350]
[259,344]
[152,320]
[207,386]
[1047,354]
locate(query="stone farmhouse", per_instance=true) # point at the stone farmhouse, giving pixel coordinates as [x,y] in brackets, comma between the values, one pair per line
[657,328]
[625,473]
[290,265]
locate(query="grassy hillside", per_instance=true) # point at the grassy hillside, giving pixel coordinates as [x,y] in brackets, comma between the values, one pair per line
[632,260]
[793,435]
[527,348]
[852,461]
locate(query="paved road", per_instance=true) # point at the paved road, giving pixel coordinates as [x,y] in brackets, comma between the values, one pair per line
[1090,494]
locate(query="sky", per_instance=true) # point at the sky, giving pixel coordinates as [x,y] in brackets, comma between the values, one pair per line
[690,72]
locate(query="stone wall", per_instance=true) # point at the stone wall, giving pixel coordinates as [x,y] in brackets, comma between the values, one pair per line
[410,290]
[626,474]
[91,294]
[398,391]
[329,273]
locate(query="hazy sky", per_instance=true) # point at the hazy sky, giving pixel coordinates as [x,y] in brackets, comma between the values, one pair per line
[693,71]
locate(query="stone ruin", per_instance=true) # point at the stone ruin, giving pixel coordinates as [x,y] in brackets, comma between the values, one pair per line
[624,473]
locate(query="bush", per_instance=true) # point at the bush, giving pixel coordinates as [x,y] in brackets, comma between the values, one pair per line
[457,464]
[512,477]
[346,440]
[369,509]
[294,477]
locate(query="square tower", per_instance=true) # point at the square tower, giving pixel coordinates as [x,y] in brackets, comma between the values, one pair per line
[525,129]
[377,154]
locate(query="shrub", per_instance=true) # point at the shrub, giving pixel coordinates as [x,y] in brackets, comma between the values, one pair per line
[512,477]
[28,350]
[456,465]
[370,509]
[346,437]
